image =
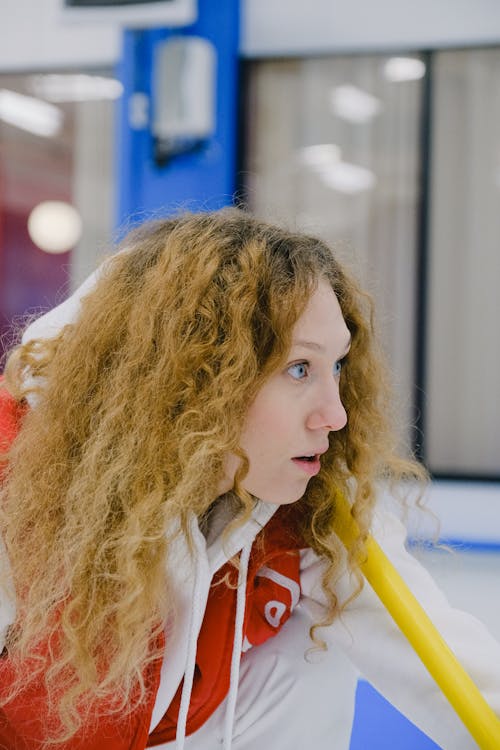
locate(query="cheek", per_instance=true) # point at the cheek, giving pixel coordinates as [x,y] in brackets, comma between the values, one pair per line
[269,415]
[260,433]
[266,439]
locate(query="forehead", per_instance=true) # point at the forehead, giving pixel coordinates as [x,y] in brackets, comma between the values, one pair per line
[322,316]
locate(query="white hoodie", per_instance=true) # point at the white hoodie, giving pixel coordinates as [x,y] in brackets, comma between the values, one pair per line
[364,633]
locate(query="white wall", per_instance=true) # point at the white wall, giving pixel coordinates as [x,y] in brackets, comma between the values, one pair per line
[35,36]
[466,511]
[281,27]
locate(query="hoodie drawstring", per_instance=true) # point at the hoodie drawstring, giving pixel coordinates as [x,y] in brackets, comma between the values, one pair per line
[237,646]
[187,686]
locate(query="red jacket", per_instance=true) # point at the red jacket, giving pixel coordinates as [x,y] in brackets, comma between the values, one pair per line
[23,721]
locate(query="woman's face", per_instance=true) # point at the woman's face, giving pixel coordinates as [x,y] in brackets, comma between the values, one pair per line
[287,425]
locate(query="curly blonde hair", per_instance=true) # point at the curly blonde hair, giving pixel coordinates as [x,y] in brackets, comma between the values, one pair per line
[137,403]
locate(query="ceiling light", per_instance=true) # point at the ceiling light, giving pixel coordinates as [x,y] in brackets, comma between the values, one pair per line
[348,178]
[319,155]
[353,104]
[55,226]
[75,88]
[30,114]
[404,69]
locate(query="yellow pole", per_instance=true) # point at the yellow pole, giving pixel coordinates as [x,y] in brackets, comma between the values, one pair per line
[438,658]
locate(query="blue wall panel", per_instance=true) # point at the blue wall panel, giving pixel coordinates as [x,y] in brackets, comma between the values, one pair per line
[202,180]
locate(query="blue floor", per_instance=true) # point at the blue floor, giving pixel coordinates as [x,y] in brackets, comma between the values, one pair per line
[379,726]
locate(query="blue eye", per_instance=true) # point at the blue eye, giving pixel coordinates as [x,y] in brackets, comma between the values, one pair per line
[299,370]
[337,367]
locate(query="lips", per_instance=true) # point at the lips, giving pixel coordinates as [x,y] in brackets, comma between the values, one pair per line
[309,463]
[311,455]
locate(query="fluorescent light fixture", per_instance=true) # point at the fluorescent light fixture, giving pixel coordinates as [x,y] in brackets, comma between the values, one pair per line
[131,13]
[404,69]
[325,160]
[348,178]
[353,104]
[55,226]
[28,113]
[319,155]
[75,88]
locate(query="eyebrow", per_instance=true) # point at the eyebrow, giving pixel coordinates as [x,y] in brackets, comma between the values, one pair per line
[319,347]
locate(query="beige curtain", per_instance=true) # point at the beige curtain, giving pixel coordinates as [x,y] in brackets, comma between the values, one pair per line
[463,394]
[360,194]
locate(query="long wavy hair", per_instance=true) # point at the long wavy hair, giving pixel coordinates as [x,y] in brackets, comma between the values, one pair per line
[137,403]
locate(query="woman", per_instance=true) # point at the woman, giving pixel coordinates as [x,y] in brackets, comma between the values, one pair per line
[184,424]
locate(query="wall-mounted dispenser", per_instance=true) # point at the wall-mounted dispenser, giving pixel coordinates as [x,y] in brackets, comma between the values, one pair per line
[184,96]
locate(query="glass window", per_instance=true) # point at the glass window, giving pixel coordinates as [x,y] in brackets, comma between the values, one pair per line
[333,146]
[463,402]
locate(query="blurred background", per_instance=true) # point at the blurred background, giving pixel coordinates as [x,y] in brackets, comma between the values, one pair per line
[373,125]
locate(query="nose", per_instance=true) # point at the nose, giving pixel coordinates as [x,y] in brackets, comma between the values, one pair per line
[328,413]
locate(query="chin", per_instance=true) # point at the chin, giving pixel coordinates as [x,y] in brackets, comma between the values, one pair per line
[281,499]
[277,493]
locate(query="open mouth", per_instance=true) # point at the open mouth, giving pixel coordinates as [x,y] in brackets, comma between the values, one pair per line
[310,464]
